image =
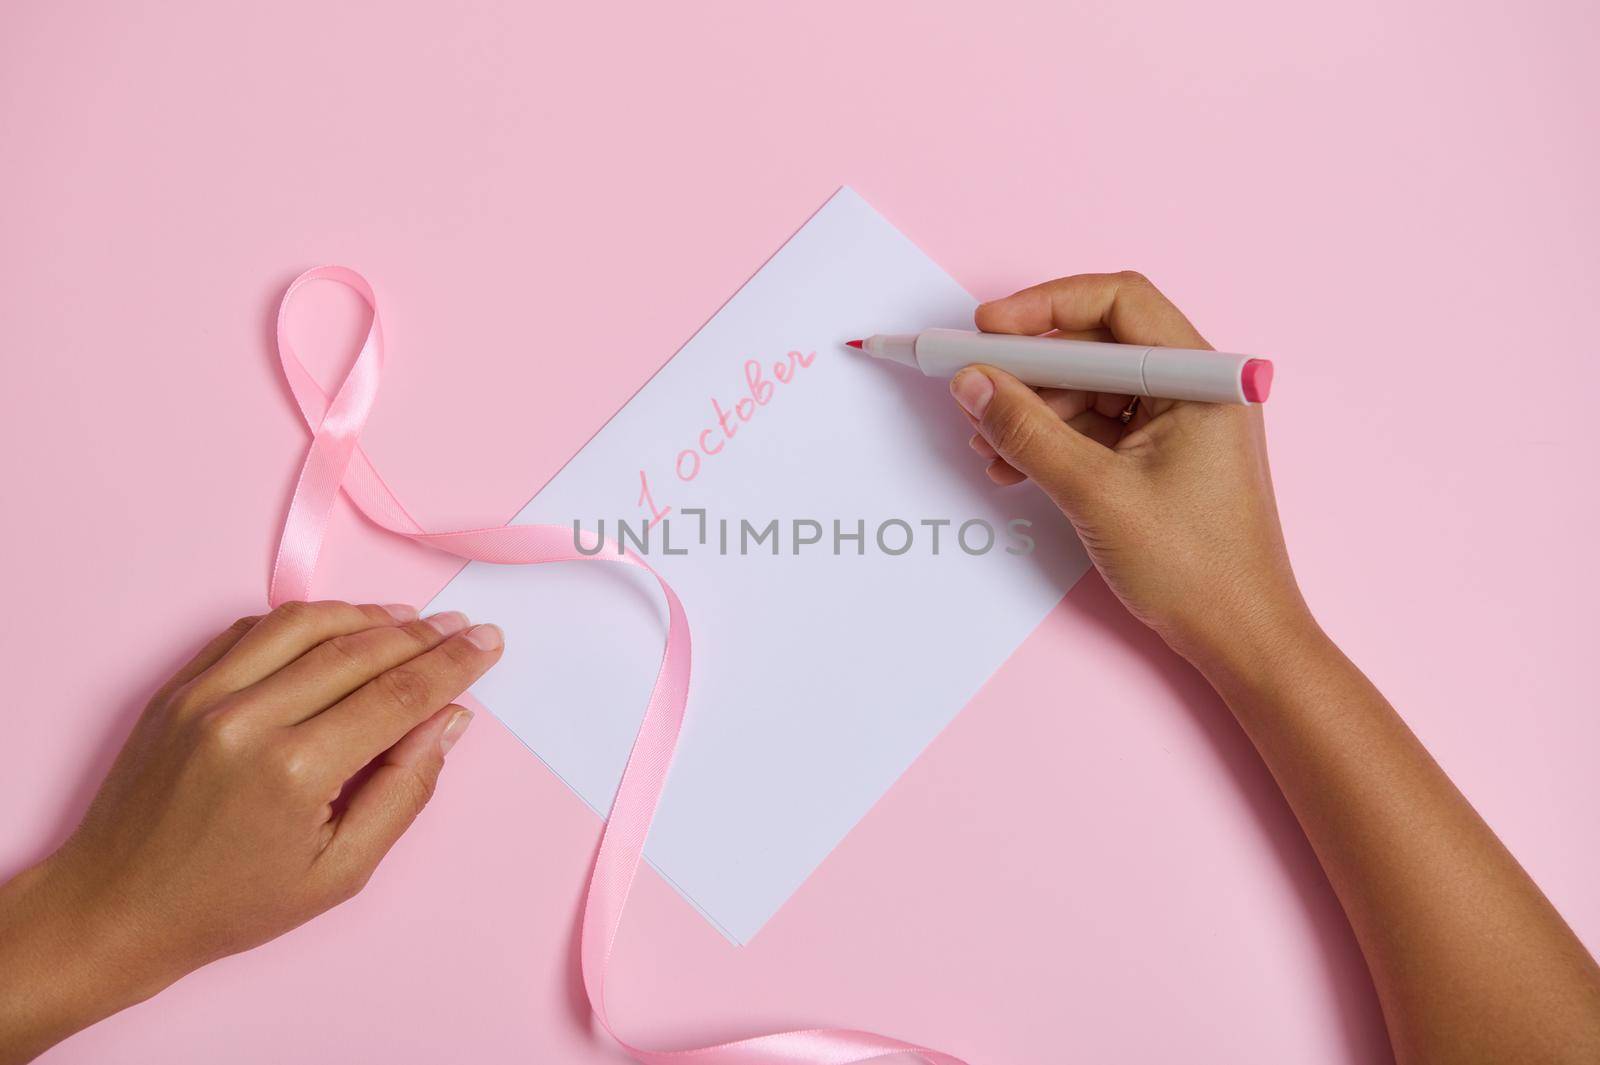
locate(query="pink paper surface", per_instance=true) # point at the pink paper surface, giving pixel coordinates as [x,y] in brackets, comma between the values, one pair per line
[1391,199]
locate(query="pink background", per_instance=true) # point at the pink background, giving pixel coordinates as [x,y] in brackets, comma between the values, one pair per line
[1394,199]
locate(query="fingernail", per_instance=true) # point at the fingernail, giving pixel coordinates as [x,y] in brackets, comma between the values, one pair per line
[485,637]
[452,732]
[448,623]
[981,446]
[973,390]
[400,612]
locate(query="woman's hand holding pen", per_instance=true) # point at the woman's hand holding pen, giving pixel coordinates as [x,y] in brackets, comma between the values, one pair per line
[1175,505]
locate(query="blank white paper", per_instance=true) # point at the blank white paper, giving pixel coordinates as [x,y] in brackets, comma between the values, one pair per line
[817,678]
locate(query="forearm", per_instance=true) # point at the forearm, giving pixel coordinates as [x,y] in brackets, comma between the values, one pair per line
[1470,961]
[60,967]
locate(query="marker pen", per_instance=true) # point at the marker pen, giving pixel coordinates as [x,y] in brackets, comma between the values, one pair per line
[1049,362]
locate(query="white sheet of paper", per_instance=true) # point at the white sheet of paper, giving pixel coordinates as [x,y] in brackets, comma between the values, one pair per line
[817,678]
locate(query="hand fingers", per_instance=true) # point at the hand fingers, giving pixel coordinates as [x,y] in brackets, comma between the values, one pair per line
[206,658]
[337,667]
[1103,430]
[385,804]
[1071,403]
[1068,403]
[1096,426]
[1082,411]
[289,632]
[1099,335]
[1028,434]
[1127,303]
[1004,474]
[373,718]
[1123,307]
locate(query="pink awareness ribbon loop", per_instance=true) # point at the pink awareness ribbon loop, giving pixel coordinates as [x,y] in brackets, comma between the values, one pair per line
[336,461]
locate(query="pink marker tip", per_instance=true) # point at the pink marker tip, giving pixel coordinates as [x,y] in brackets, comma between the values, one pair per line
[1256,379]
[853,343]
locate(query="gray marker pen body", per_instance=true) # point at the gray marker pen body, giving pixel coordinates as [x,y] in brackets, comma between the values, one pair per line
[1050,362]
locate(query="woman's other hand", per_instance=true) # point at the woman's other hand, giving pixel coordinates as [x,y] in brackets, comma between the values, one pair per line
[261,786]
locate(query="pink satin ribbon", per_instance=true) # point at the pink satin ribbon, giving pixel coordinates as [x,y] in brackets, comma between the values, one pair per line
[336,461]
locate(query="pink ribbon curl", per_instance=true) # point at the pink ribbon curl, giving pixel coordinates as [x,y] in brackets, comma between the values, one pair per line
[336,461]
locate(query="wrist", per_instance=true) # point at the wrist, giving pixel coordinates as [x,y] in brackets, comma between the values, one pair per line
[65,961]
[1266,663]
[1249,647]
